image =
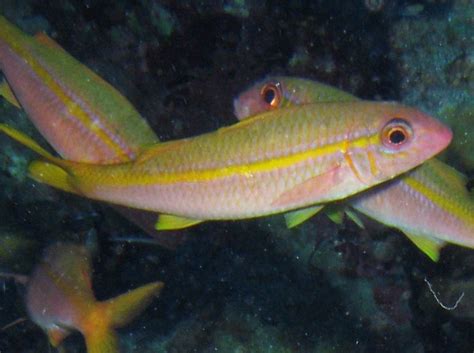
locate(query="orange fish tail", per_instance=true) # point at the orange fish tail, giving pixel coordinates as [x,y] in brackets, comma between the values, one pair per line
[102,340]
[123,309]
[98,326]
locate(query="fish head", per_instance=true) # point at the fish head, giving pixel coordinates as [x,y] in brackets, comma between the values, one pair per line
[262,96]
[404,138]
[282,91]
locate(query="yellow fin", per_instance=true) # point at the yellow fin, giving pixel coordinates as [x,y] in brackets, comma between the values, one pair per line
[123,309]
[50,174]
[28,142]
[335,214]
[354,217]
[7,93]
[169,222]
[102,340]
[429,246]
[297,217]
[98,326]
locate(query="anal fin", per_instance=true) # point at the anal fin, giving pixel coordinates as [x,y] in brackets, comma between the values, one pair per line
[170,222]
[429,246]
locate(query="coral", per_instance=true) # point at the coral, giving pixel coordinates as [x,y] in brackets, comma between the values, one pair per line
[437,70]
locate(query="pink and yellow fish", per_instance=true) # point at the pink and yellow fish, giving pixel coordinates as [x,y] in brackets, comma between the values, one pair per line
[83,117]
[430,204]
[96,123]
[274,162]
[59,299]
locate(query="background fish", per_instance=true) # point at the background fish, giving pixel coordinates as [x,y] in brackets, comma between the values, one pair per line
[430,204]
[81,116]
[59,299]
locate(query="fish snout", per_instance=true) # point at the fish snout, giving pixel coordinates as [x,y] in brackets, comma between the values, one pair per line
[433,136]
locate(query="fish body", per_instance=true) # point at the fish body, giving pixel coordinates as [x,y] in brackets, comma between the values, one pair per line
[83,117]
[430,204]
[271,163]
[59,299]
[431,201]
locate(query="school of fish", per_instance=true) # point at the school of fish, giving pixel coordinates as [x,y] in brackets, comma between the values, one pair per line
[299,146]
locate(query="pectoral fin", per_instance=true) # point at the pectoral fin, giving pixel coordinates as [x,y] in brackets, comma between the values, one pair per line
[429,246]
[297,217]
[170,222]
[7,93]
[312,190]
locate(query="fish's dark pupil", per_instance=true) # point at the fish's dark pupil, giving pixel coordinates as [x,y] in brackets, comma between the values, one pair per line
[269,96]
[397,136]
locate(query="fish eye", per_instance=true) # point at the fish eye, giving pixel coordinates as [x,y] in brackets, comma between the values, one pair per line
[396,133]
[271,95]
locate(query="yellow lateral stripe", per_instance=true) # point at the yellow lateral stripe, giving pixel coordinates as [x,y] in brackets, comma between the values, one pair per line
[434,197]
[247,170]
[73,108]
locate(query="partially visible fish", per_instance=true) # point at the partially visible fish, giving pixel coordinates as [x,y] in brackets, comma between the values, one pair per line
[283,91]
[83,117]
[430,204]
[275,162]
[59,299]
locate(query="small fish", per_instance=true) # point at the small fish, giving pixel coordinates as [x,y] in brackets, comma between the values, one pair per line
[430,204]
[82,116]
[275,162]
[59,299]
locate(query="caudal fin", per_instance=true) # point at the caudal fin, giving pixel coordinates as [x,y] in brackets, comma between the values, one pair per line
[51,171]
[98,326]
[123,309]
[29,143]
[102,341]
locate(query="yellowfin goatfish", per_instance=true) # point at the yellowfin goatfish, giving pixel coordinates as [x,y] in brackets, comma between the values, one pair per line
[59,299]
[275,162]
[69,96]
[430,204]
[83,117]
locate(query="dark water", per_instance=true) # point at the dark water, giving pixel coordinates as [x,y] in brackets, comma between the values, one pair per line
[251,286]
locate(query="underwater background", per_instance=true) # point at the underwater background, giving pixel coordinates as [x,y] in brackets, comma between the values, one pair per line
[253,285]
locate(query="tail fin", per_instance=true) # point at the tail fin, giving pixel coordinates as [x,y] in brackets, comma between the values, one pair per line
[50,172]
[123,309]
[102,341]
[116,312]
[29,143]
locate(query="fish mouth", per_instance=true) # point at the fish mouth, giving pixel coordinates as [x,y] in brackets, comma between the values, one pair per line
[440,136]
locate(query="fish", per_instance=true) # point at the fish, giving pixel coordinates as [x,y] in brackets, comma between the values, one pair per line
[80,115]
[430,204]
[60,300]
[274,162]
[97,123]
